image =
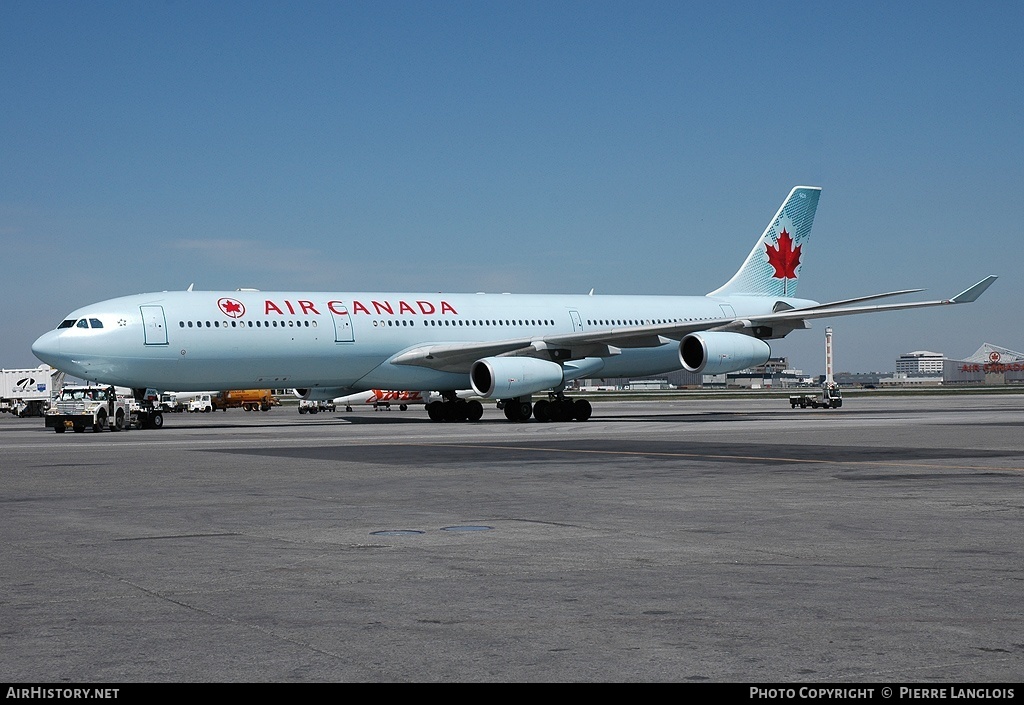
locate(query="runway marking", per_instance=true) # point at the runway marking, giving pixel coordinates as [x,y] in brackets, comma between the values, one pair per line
[759,458]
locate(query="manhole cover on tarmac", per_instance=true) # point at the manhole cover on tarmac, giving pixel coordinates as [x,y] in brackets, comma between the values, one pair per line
[396,532]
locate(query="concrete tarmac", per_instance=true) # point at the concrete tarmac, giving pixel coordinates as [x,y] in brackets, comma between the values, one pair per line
[705,540]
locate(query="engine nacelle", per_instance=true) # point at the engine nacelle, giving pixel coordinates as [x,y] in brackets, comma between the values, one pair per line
[715,353]
[321,393]
[510,377]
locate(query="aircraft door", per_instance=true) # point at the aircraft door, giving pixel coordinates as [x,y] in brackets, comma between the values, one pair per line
[728,311]
[154,325]
[577,322]
[342,326]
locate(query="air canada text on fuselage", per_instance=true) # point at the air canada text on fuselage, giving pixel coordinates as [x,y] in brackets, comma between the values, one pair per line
[420,307]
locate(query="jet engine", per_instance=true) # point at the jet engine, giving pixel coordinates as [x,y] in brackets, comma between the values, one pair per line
[511,377]
[321,393]
[715,353]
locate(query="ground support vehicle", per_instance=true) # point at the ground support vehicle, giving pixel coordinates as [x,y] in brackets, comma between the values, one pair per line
[98,408]
[828,398]
[246,399]
[169,403]
[28,392]
[308,406]
[201,403]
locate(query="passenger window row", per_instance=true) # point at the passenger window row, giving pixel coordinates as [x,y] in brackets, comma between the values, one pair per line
[631,322]
[247,324]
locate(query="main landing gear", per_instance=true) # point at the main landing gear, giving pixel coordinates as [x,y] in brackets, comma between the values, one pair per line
[561,408]
[455,409]
[556,408]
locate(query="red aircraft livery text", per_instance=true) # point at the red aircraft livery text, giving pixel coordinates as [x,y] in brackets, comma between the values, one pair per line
[371,308]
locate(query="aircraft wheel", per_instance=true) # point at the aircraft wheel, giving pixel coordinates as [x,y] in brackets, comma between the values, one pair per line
[474,410]
[435,410]
[567,409]
[403,407]
[556,411]
[525,410]
[582,409]
[542,410]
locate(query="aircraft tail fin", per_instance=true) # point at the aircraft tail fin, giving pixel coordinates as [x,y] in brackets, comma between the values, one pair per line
[773,267]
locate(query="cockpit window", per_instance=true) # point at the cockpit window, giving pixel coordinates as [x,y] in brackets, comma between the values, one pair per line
[82,323]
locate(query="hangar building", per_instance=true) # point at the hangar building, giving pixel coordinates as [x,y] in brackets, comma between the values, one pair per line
[990,365]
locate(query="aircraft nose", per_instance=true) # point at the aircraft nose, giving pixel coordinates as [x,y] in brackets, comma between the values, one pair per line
[47,348]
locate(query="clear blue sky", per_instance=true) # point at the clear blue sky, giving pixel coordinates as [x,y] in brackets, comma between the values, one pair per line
[541,147]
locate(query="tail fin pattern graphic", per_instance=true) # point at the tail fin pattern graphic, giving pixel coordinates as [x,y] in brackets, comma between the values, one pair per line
[773,267]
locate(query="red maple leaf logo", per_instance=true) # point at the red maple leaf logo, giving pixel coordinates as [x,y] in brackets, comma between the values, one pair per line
[232,308]
[784,258]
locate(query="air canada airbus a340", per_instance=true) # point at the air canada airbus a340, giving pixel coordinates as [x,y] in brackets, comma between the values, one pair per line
[504,347]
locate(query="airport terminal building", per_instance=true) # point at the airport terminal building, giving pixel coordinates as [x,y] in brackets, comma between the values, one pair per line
[920,362]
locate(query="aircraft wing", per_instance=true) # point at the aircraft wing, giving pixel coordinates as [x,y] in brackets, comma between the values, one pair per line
[839,308]
[459,357]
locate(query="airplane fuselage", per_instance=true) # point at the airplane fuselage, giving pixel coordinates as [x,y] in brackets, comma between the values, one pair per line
[196,340]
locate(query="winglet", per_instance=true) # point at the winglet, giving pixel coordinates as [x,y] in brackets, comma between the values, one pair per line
[972,294]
